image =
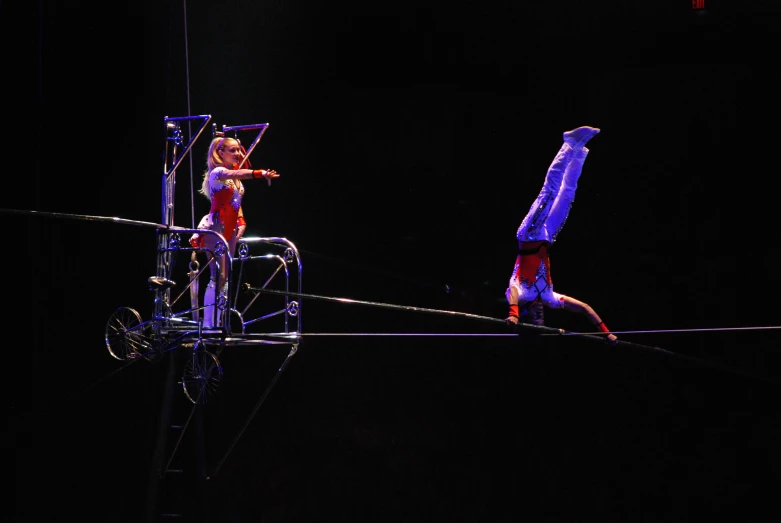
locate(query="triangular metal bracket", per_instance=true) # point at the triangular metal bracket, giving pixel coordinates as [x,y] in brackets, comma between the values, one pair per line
[260,127]
[172,126]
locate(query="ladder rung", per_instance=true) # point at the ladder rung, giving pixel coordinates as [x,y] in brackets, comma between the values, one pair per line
[174,470]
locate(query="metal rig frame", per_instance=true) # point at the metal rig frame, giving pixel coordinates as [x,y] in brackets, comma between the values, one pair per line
[173,326]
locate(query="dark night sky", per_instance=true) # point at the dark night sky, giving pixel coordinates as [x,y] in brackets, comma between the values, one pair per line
[411,137]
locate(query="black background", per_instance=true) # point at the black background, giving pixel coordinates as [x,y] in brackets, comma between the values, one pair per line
[411,137]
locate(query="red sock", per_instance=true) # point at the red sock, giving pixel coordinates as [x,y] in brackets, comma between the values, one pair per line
[514,310]
[601,326]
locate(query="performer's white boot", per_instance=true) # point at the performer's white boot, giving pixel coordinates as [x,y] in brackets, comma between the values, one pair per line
[222,298]
[209,305]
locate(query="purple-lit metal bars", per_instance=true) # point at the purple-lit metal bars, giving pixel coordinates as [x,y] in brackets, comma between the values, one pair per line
[235,128]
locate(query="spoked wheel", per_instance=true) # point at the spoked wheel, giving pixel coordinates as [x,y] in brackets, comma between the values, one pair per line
[124,335]
[202,376]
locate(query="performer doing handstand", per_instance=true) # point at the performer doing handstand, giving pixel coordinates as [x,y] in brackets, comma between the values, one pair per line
[531,279]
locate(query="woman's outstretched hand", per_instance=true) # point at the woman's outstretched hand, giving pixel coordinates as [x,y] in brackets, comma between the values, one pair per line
[270,174]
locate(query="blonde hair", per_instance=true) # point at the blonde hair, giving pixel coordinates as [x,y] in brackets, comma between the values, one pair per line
[213,161]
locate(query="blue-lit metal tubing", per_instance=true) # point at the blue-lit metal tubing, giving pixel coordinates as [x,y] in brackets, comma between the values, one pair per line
[267,316]
[164,269]
[205,117]
[173,135]
[275,240]
[282,264]
[197,276]
[235,128]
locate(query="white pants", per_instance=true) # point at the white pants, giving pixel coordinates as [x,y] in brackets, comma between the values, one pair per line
[549,211]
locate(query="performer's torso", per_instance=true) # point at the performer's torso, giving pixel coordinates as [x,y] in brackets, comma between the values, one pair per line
[226,200]
[532,263]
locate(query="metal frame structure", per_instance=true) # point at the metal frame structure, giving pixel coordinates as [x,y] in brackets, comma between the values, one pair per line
[176,326]
[128,337]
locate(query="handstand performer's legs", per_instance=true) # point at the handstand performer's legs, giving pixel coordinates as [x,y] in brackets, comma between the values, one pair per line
[566,197]
[532,227]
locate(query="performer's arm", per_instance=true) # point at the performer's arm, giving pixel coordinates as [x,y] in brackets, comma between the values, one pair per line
[242,224]
[245,174]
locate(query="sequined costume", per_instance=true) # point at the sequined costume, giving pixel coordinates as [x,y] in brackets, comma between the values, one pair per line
[531,276]
[225,215]
[226,218]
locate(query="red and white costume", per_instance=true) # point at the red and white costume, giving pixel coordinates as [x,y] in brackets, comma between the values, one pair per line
[225,215]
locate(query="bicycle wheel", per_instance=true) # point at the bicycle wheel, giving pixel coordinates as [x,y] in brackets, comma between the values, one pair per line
[124,334]
[201,377]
